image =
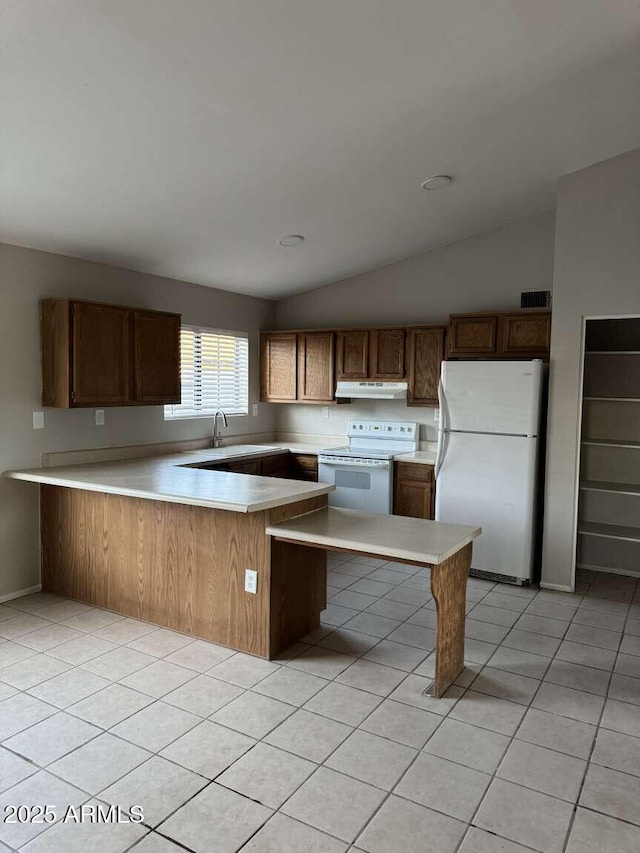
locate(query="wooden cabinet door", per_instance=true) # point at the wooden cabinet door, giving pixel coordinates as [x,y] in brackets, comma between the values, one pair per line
[352,359]
[472,335]
[413,490]
[157,357]
[275,466]
[525,334]
[316,383]
[101,354]
[303,466]
[279,367]
[386,356]
[425,351]
[245,466]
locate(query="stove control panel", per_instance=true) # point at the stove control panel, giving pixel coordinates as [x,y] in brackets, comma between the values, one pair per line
[397,430]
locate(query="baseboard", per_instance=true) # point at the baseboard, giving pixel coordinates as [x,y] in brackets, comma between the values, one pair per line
[28,591]
[560,587]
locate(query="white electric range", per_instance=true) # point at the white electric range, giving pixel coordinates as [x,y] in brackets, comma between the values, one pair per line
[362,472]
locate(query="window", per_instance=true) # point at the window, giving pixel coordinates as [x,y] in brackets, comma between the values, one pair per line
[215,373]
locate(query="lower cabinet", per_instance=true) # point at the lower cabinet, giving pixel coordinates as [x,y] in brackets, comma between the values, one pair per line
[413,490]
[275,466]
[292,466]
[303,466]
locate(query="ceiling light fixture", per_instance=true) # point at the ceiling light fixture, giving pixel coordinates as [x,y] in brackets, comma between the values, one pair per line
[437,182]
[291,240]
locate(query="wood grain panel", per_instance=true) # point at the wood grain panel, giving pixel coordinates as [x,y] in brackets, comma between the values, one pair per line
[157,357]
[278,367]
[175,565]
[449,590]
[472,335]
[55,345]
[386,356]
[316,382]
[303,466]
[528,334]
[425,351]
[413,490]
[101,354]
[298,593]
[275,466]
[352,355]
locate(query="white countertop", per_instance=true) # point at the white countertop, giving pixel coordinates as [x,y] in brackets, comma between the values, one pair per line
[420,457]
[392,536]
[163,478]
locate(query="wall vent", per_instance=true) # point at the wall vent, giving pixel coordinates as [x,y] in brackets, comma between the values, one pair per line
[535,299]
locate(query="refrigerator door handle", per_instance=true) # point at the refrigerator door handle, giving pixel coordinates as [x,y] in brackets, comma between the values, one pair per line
[442,402]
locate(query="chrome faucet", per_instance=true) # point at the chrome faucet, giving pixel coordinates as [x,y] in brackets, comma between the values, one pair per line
[217,440]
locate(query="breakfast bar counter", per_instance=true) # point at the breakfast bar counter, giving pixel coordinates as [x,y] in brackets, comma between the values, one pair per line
[444,548]
[166,540]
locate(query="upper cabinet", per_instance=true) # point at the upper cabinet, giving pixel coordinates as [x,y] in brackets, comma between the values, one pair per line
[108,355]
[100,354]
[370,354]
[352,356]
[525,334]
[316,374]
[156,339]
[472,335]
[425,351]
[278,367]
[386,354]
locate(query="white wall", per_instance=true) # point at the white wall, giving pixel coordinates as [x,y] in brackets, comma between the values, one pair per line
[26,276]
[597,273]
[481,273]
[487,272]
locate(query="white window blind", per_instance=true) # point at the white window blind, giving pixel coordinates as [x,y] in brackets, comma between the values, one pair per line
[214,373]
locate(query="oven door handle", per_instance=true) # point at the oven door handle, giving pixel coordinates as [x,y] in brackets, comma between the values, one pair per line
[338,463]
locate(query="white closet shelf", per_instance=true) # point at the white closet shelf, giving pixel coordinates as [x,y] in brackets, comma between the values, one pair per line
[610,442]
[609,531]
[620,488]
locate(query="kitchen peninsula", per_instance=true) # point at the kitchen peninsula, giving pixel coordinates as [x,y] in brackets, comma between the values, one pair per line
[166,540]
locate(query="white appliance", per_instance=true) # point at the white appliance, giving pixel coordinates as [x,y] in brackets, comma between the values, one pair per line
[371,390]
[362,472]
[487,461]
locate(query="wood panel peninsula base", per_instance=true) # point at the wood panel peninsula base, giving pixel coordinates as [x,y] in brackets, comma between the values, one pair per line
[445,549]
[182,566]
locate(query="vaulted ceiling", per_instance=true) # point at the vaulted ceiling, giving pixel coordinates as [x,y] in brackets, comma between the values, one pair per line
[186,137]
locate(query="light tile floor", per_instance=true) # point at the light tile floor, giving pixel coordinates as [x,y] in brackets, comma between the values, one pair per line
[334,747]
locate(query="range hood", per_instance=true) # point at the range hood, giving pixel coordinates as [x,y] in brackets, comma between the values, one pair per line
[372,390]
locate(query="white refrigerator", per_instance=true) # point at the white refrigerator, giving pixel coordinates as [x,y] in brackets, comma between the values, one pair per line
[487,461]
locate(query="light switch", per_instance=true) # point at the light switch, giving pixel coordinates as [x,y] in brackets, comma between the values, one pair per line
[254,410]
[325,411]
[99,417]
[38,420]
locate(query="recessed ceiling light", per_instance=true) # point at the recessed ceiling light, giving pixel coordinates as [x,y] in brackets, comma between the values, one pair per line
[291,240]
[437,182]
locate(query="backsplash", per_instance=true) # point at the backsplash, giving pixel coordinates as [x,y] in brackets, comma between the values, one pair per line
[303,419]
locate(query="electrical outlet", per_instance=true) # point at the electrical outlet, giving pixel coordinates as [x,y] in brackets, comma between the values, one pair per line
[250,581]
[254,410]
[325,411]
[436,415]
[38,420]
[99,417]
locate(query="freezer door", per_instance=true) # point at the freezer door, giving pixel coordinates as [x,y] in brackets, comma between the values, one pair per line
[489,480]
[491,396]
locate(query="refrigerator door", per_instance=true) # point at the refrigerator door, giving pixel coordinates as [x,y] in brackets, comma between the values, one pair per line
[491,396]
[489,480]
